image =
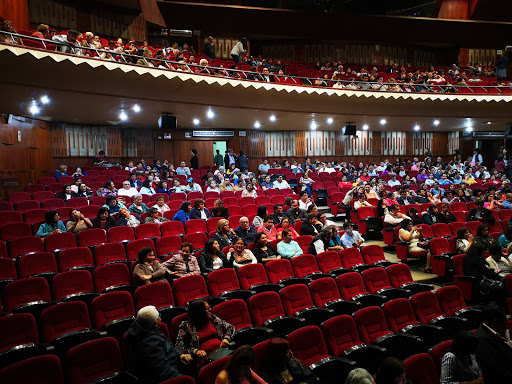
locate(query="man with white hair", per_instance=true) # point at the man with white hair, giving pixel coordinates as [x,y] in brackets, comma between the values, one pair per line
[246,231]
[153,358]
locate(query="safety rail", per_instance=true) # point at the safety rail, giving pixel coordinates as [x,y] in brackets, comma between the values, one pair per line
[238,74]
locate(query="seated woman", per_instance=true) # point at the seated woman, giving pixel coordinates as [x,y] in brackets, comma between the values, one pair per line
[161,206]
[459,364]
[79,172]
[391,371]
[414,235]
[219,210]
[183,263]
[445,216]
[127,219]
[154,217]
[464,240]
[239,256]
[138,206]
[361,202]
[66,193]
[51,225]
[261,213]
[113,205]
[413,214]
[62,171]
[199,211]
[83,191]
[475,265]
[285,224]
[212,187]
[282,367]
[483,238]
[203,332]
[497,262]
[505,239]
[212,258]
[148,269]
[262,249]
[147,188]
[109,189]
[238,369]
[183,214]
[224,235]
[104,220]
[163,187]
[77,222]
[249,191]
[430,217]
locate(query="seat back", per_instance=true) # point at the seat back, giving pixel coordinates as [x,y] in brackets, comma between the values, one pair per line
[188,288]
[450,299]
[399,274]
[12,230]
[307,345]
[25,244]
[17,329]
[209,372]
[278,270]
[425,306]
[371,324]
[340,334]
[92,236]
[251,274]
[265,306]
[36,263]
[74,257]
[60,319]
[111,275]
[41,369]
[372,253]
[234,312]
[71,282]
[168,244]
[133,248]
[295,298]
[111,306]
[328,260]
[323,291]
[439,245]
[25,291]
[59,241]
[441,230]
[399,314]
[420,369]
[350,257]
[350,284]
[108,253]
[304,265]
[158,294]
[120,233]
[145,231]
[221,280]
[375,279]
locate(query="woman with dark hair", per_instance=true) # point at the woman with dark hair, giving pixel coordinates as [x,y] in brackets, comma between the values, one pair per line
[104,220]
[212,258]
[260,215]
[51,225]
[464,240]
[109,189]
[113,205]
[66,193]
[445,216]
[83,191]
[477,194]
[462,196]
[430,217]
[219,210]
[224,234]
[414,235]
[147,188]
[239,256]
[391,371]
[262,249]
[486,281]
[163,187]
[483,238]
[238,369]
[460,365]
[77,222]
[148,269]
[183,263]
[285,224]
[183,214]
[199,211]
[194,161]
[203,332]
[154,217]
[282,367]
[505,239]
[415,218]
[161,206]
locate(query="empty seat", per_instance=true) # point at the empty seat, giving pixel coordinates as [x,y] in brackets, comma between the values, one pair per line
[113,312]
[253,277]
[325,294]
[307,345]
[172,228]
[296,301]
[452,303]
[147,231]
[112,277]
[306,266]
[377,282]
[441,230]
[195,226]
[351,259]
[330,262]
[351,287]
[26,244]
[109,253]
[75,258]
[400,277]
[77,202]
[26,205]
[10,217]
[120,234]
[420,369]
[209,372]
[75,285]
[198,239]
[224,282]
[133,248]
[188,288]
[281,272]
[168,245]
[27,296]
[7,272]
[441,255]
[159,295]
[15,197]
[12,230]
[59,241]
[374,255]
[34,215]
[53,203]
[38,264]
[42,369]
[6,206]
[427,311]
[43,195]
[91,237]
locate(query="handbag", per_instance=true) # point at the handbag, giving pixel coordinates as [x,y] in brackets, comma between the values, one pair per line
[487,286]
[423,244]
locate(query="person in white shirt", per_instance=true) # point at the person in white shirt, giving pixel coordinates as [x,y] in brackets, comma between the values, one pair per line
[304,201]
[351,238]
[393,182]
[394,217]
[477,157]
[238,50]
[280,183]
[183,169]
[329,168]
[381,167]
[127,190]
[192,187]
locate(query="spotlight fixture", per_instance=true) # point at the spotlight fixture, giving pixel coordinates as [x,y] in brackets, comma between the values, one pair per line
[488,123]
[136,108]
[365,127]
[416,127]
[123,116]
[45,99]
[469,128]
[436,122]
[313,125]
[383,121]
[33,109]
[257,124]
[330,120]
[210,114]
[272,118]
[196,121]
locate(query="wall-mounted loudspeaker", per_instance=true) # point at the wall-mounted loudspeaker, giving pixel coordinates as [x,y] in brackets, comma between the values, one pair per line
[349,129]
[508,131]
[167,122]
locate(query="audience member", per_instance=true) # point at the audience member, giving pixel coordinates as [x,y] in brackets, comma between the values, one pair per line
[183,213]
[127,189]
[103,220]
[238,369]
[212,258]
[295,213]
[183,263]
[77,222]
[483,238]
[262,250]
[391,371]
[414,236]
[464,240]
[148,269]
[154,217]
[51,225]
[496,261]
[199,211]
[69,44]
[288,248]
[351,238]
[245,231]
[394,217]
[239,256]
[225,235]
[320,242]
[127,219]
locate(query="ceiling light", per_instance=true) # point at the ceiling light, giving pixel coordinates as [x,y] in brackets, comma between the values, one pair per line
[257,124]
[210,114]
[313,125]
[123,116]
[196,121]
[416,127]
[330,120]
[136,108]
[272,118]
[45,99]
[365,127]
[436,122]
[469,129]
[383,121]
[488,123]
[33,109]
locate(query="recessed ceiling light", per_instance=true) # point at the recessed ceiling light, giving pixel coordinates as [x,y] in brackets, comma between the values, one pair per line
[488,123]
[383,121]
[436,122]
[313,125]
[257,124]
[210,114]
[123,116]
[45,99]
[330,120]
[33,109]
[365,127]
[196,121]
[416,127]
[469,129]
[272,118]
[136,108]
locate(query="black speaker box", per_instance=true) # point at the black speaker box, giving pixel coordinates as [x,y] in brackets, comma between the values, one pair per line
[167,122]
[508,131]
[349,129]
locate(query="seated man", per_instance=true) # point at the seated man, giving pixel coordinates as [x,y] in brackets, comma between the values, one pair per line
[246,231]
[351,238]
[288,248]
[183,169]
[311,226]
[394,217]
[321,242]
[280,183]
[127,189]
[268,228]
[278,213]
[295,213]
[152,357]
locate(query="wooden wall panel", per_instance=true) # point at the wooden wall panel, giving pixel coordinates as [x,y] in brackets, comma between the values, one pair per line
[16,11]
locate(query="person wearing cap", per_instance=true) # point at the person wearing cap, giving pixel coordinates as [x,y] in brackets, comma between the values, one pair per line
[152,358]
[191,186]
[229,158]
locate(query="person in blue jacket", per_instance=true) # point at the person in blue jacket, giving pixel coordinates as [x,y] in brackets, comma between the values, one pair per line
[183,214]
[52,224]
[152,358]
[199,211]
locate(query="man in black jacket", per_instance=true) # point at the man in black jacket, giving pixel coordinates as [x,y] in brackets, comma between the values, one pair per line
[310,226]
[209,49]
[480,213]
[153,358]
[320,243]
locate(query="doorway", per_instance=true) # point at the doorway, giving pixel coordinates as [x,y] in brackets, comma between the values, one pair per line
[222,146]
